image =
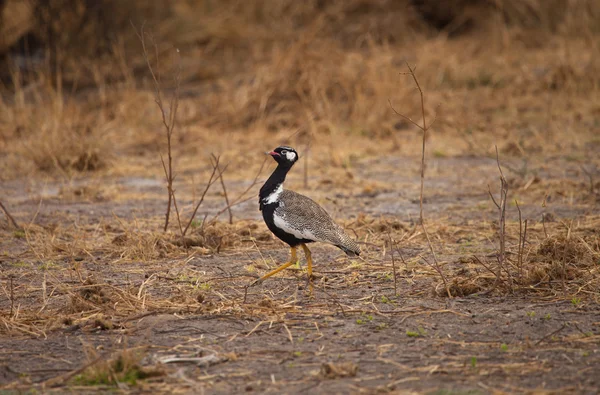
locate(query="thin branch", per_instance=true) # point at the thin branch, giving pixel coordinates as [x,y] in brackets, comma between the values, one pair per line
[519,250]
[213,157]
[211,181]
[10,218]
[178,217]
[590,175]
[492,196]
[169,121]
[404,116]
[239,200]
[393,264]
[424,128]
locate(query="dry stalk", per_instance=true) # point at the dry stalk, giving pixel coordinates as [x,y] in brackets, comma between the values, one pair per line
[213,178]
[169,116]
[12,297]
[240,199]
[590,174]
[393,264]
[501,206]
[214,158]
[544,215]
[10,218]
[522,239]
[424,128]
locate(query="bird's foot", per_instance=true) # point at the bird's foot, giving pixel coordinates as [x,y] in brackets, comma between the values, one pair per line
[309,286]
[256,282]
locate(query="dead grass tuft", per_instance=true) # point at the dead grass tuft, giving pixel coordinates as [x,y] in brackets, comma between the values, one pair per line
[567,263]
[121,370]
[464,286]
[218,235]
[332,370]
[564,258]
[142,245]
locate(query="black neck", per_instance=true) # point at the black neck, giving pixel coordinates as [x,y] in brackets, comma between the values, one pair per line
[276,179]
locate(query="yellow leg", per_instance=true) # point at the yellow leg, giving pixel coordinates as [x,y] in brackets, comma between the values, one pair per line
[308,256]
[293,260]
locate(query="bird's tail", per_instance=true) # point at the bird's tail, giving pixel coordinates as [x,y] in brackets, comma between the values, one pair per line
[350,252]
[346,243]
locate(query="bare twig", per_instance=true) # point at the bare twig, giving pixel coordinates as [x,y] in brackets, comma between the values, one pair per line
[544,215]
[214,158]
[10,218]
[240,199]
[551,334]
[521,243]
[501,206]
[424,128]
[393,264]
[211,181]
[169,116]
[590,174]
[178,217]
[12,296]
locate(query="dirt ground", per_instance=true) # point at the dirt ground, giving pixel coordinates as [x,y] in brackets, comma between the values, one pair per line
[353,335]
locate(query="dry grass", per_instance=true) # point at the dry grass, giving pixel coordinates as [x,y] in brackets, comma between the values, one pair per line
[328,73]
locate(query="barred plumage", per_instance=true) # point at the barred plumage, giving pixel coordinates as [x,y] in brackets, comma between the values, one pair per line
[295,218]
[304,218]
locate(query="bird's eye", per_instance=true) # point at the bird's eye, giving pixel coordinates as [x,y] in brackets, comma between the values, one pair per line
[284,152]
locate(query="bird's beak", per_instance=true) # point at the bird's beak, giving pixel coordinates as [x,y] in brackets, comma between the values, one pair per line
[272,153]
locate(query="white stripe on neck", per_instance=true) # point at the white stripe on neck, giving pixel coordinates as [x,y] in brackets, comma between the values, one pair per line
[273,196]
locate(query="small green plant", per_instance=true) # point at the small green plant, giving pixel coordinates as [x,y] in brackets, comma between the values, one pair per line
[420,332]
[439,154]
[473,362]
[122,369]
[504,347]
[547,317]
[381,326]
[530,314]
[19,264]
[196,223]
[385,299]
[576,301]
[205,286]
[48,266]
[365,318]
[19,234]
[297,354]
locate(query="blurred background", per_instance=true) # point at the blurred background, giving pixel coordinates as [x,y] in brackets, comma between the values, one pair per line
[77,95]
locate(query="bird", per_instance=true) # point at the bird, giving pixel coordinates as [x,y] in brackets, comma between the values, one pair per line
[297,219]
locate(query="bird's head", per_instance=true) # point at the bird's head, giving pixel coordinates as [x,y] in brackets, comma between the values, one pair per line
[285,156]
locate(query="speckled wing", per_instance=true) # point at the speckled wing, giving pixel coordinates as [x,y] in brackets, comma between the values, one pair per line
[305,219]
